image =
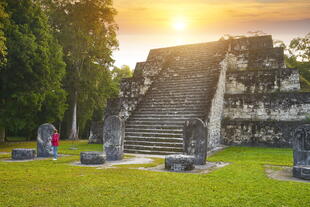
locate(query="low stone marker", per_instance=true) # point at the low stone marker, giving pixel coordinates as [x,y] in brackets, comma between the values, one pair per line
[113,137]
[195,140]
[23,154]
[44,145]
[92,158]
[179,163]
[301,147]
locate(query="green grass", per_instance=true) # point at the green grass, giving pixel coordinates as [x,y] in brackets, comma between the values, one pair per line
[16,139]
[64,148]
[242,183]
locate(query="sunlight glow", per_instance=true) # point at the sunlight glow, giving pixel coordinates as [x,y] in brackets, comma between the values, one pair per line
[179,24]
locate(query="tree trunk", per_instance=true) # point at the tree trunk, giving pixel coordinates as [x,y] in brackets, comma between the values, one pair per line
[2,134]
[74,130]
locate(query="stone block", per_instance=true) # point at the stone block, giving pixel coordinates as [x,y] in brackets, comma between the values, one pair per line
[44,144]
[92,158]
[195,140]
[179,163]
[301,148]
[113,137]
[302,171]
[23,154]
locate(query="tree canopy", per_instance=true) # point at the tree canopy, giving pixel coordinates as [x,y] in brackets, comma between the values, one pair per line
[87,32]
[3,52]
[31,78]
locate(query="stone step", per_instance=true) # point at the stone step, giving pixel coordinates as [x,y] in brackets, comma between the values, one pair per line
[153,134]
[160,108]
[184,67]
[165,115]
[190,72]
[173,105]
[153,148]
[163,93]
[162,144]
[178,93]
[185,81]
[154,139]
[154,126]
[133,118]
[160,130]
[138,121]
[182,89]
[169,100]
[172,97]
[181,85]
[153,101]
[177,77]
[171,111]
[151,152]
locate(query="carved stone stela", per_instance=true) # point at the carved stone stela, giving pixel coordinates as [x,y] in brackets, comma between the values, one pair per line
[195,140]
[113,137]
[44,145]
[301,147]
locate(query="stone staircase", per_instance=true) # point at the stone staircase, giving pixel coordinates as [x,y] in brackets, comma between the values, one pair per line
[182,91]
[244,81]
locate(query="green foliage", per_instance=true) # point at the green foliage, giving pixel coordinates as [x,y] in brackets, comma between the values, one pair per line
[304,84]
[299,57]
[119,73]
[3,49]
[122,72]
[242,183]
[87,32]
[31,79]
[300,48]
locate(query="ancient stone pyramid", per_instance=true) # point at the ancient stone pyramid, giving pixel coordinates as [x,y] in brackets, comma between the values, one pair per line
[240,88]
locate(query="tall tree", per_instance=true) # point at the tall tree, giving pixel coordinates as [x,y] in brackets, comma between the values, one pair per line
[3,52]
[34,70]
[87,32]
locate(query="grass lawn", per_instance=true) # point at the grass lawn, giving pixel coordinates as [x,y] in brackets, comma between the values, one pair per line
[56,183]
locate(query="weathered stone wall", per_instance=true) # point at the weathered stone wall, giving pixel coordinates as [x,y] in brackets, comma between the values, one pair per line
[262,101]
[251,43]
[268,106]
[214,118]
[256,53]
[262,81]
[258,133]
[263,58]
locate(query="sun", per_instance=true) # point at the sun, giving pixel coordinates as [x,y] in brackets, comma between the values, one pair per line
[179,24]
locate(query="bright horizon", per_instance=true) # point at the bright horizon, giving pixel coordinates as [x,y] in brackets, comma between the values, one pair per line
[146,24]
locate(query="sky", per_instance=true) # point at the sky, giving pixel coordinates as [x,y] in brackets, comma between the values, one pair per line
[148,24]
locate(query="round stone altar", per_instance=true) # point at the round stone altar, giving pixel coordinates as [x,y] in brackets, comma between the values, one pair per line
[23,154]
[179,163]
[92,158]
[302,171]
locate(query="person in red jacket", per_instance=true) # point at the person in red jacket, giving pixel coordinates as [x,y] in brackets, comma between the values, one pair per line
[55,144]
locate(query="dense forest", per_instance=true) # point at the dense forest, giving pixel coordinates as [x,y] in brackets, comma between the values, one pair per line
[56,64]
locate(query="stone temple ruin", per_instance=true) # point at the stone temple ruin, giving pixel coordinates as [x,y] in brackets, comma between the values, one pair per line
[240,88]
